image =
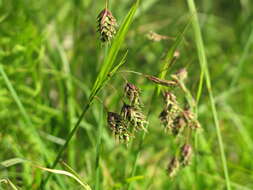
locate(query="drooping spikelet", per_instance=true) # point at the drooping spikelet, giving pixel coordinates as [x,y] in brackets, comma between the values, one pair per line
[173,167]
[191,119]
[118,127]
[134,116]
[133,94]
[106,25]
[185,154]
[170,113]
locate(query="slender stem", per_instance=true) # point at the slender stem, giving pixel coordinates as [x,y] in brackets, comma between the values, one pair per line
[98,152]
[204,67]
[67,141]
[99,135]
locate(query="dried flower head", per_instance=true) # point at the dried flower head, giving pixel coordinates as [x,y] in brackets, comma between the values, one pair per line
[185,154]
[191,119]
[170,112]
[173,167]
[157,37]
[134,116]
[133,94]
[180,75]
[179,125]
[118,127]
[170,99]
[106,25]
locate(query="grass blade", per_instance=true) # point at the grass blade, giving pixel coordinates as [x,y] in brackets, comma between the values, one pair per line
[35,138]
[169,58]
[204,68]
[62,172]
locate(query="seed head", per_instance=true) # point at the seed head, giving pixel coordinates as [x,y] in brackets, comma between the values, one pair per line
[133,94]
[118,127]
[173,167]
[170,99]
[106,25]
[170,112]
[134,116]
[179,125]
[181,75]
[185,154]
[191,120]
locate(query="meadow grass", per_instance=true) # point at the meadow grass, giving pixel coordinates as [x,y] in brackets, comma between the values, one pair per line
[58,81]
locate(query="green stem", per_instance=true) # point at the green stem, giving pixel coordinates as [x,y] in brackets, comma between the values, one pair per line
[204,67]
[99,135]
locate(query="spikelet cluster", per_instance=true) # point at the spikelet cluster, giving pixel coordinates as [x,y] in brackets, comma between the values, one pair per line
[130,119]
[178,120]
[132,112]
[106,25]
[169,114]
[118,127]
[182,160]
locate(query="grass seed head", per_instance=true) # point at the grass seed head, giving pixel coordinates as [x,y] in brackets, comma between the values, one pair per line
[181,75]
[133,94]
[134,116]
[179,125]
[173,167]
[106,25]
[191,119]
[185,154]
[171,111]
[118,127]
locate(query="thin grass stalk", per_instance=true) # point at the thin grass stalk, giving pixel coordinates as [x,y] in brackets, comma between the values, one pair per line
[204,67]
[70,95]
[98,147]
[107,70]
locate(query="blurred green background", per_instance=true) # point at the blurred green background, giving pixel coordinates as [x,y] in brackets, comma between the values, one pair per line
[51,54]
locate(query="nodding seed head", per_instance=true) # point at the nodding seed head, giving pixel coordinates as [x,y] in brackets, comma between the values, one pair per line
[170,113]
[191,119]
[106,25]
[118,127]
[173,167]
[185,154]
[133,94]
[169,98]
[179,125]
[181,74]
[134,116]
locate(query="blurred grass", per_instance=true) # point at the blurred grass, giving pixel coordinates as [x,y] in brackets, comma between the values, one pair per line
[50,55]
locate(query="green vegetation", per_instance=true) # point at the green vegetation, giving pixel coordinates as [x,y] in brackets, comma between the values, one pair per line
[59,81]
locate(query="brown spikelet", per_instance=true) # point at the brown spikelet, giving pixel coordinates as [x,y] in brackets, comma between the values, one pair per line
[173,167]
[185,154]
[106,25]
[118,127]
[133,94]
[167,83]
[134,116]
